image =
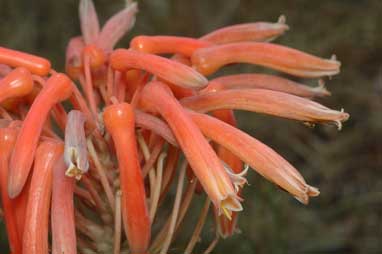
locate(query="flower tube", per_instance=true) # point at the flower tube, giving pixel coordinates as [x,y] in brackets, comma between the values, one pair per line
[57,89]
[35,64]
[171,71]
[120,123]
[264,81]
[281,58]
[256,31]
[62,211]
[267,102]
[167,44]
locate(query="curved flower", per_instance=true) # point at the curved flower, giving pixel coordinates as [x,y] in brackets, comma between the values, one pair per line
[288,60]
[200,155]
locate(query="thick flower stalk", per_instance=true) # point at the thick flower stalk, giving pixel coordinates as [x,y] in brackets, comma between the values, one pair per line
[139,128]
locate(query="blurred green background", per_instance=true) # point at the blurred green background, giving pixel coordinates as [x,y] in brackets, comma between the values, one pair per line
[345,165]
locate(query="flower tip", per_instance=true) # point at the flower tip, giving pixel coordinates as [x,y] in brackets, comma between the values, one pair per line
[342,118]
[333,65]
[200,81]
[345,116]
[281,23]
[313,191]
[309,192]
[321,89]
[230,204]
[303,200]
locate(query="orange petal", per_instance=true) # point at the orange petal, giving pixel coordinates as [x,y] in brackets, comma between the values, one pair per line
[264,81]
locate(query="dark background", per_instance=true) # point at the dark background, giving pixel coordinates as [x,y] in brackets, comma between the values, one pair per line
[345,165]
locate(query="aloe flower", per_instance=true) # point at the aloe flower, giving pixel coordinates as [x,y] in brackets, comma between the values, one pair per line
[92,176]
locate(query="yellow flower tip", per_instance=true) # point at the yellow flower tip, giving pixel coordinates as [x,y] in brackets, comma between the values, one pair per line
[227,213]
[229,205]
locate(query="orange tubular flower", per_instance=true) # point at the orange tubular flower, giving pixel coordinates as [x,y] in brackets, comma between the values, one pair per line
[268,102]
[171,71]
[35,237]
[119,122]
[288,60]
[36,65]
[17,83]
[258,31]
[260,157]
[264,81]
[58,88]
[62,212]
[203,160]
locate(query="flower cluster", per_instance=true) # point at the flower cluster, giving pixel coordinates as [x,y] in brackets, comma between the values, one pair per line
[91,165]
